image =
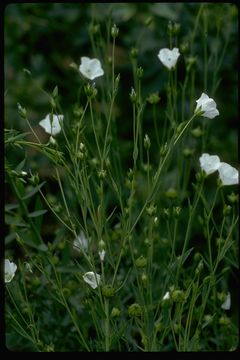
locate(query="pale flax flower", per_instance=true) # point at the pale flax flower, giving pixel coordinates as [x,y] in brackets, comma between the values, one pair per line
[209,163]
[81,242]
[206,107]
[9,270]
[92,279]
[228,174]
[90,68]
[54,127]
[227,303]
[169,57]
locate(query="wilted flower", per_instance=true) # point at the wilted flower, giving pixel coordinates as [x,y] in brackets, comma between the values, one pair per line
[209,163]
[92,279]
[54,127]
[90,68]
[169,57]
[228,174]
[81,242]
[9,270]
[227,303]
[206,107]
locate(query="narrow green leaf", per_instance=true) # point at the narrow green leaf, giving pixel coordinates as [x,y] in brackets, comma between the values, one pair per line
[37,213]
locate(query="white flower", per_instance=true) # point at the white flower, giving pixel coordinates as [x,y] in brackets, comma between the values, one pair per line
[92,279]
[81,242]
[169,57]
[166,296]
[9,270]
[227,303]
[102,254]
[228,174]
[209,163]
[207,106]
[90,68]
[52,128]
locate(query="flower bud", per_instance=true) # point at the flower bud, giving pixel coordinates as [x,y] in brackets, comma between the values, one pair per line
[22,111]
[233,198]
[171,193]
[135,310]
[178,296]
[134,53]
[227,210]
[133,96]
[224,320]
[163,149]
[108,291]
[90,91]
[141,262]
[176,211]
[147,142]
[139,72]
[187,152]
[197,132]
[144,279]
[153,98]
[115,312]
[102,174]
[114,31]
[151,210]
[55,92]
[156,221]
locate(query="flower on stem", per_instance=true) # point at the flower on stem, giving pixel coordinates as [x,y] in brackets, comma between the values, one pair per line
[206,106]
[228,174]
[209,163]
[90,68]
[81,242]
[52,127]
[226,305]
[169,57]
[102,254]
[92,279]
[9,270]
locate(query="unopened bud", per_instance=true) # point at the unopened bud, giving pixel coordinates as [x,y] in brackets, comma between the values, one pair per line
[114,31]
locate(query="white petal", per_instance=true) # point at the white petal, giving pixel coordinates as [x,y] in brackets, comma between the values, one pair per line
[228,174]
[227,303]
[169,57]
[166,296]
[9,270]
[207,105]
[90,68]
[92,279]
[209,163]
[52,128]
[81,242]
[102,254]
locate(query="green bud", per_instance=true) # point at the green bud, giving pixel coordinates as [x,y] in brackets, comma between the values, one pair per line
[139,72]
[141,262]
[133,96]
[144,279]
[55,92]
[151,210]
[164,149]
[233,198]
[135,310]
[166,213]
[170,28]
[102,174]
[147,142]
[52,103]
[134,53]
[94,162]
[94,28]
[224,320]
[187,152]
[101,245]
[197,132]
[227,210]
[115,312]
[34,179]
[171,193]
[191,63]
[176,211]
[199,267]
[153,98]
[74,66]
[197,257]
[147,242]
[184,48]
[108,291]
[77,111]
[200,176]
[22,111]
[114,31]
[178,296]
[90,91]
[176,28]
